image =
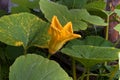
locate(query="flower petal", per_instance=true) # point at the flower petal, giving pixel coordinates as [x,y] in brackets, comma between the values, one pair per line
[60,35]
[56,24]
[70,37]
[68,27]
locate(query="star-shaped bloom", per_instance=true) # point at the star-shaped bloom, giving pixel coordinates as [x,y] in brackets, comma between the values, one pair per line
[60,35]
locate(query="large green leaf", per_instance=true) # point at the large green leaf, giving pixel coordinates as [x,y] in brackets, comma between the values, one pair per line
[35,67]
[23,29]
[76,16]
[27,3]
[24,5]
[91,55]
[84,15]
[50,9]
[73,3]
[96,4]
[91,40]
[91,50]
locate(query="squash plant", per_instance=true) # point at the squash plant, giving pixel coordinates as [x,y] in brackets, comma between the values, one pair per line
[37,30]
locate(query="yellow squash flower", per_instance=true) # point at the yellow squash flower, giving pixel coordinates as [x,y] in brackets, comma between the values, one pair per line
[60,35]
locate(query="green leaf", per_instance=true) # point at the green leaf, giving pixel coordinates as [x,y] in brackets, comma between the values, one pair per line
[50,9]
[27,3]
[96,4]
[61,12]
[78,24]
[118,12]
[35,67]
[65,15]
[84,15]
[91,40]
[91,55]
[24,5]
[91,50]
[73,3]
[98,7]
[117,28]
[23,29]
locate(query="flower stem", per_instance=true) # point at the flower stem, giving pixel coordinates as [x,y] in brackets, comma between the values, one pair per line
[88,71]
[49,55]
[25,50]
[107,33]
[107,29]
[74,69]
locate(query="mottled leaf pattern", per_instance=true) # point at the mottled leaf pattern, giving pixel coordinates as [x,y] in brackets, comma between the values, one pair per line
[23,29]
